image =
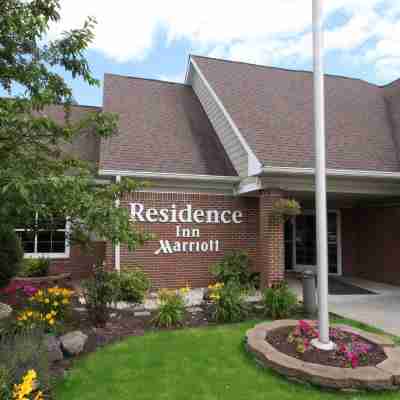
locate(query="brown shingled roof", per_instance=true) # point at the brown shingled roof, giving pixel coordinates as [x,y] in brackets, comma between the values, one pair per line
[85,146]
[273,109]
[163,128]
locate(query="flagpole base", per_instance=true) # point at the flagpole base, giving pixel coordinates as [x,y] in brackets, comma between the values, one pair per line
[323,346]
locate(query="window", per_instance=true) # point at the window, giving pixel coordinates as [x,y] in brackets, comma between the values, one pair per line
[47,239]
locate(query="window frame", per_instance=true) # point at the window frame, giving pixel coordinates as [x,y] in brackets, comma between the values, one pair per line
[36,254]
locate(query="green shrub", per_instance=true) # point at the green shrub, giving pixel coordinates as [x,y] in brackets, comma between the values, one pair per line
[99,292]
[35,267]
[171,311]
[234,267]
[133,285]
[286,208]
[229,302]
[279,301]
[11,256]
[20,353]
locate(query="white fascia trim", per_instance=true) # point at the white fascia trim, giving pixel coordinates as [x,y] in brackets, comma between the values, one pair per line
[167,175]
[338,173]
[254,165]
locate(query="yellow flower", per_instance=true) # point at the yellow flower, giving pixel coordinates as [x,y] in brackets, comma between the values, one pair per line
[65,301]
[55,304]
[47,301]
[51,321]
[38,396]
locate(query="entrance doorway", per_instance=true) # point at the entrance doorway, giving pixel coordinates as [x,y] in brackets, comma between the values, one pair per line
[300,243]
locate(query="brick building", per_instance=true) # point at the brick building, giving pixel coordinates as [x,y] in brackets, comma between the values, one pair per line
[221,148]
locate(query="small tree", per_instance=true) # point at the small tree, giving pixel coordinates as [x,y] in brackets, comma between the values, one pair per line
[11,256]
[38,178]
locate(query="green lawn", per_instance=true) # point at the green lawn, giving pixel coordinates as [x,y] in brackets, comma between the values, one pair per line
[193,364]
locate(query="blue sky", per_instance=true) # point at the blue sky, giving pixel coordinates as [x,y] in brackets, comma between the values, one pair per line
[152,39]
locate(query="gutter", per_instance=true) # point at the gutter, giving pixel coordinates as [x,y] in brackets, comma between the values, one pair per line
[337,173]
[167,175]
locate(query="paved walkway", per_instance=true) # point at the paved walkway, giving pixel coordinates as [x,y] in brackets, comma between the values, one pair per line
[381,310]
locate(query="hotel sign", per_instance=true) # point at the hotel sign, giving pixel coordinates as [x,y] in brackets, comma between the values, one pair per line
[187,239]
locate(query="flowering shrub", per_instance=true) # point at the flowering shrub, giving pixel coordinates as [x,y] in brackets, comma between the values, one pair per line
[172,307]
[17,293]
[351,347]
[302,335]
[47,307]
[229,303]
[354,351]
[215,291]
[28,388]
[54,299]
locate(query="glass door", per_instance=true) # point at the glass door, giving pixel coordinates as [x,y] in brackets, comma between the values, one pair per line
[304,252]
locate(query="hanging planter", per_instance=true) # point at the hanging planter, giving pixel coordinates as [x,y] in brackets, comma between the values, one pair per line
[286,208]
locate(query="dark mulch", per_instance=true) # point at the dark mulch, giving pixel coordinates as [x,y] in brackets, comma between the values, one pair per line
[279,339]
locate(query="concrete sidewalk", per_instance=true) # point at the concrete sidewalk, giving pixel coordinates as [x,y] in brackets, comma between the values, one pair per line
[381,310]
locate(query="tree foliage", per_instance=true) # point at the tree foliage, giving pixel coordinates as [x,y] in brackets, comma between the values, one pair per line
[36,176]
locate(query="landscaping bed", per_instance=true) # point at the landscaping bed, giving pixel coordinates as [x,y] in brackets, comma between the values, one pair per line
[127,323]
[279,339]
[318,370]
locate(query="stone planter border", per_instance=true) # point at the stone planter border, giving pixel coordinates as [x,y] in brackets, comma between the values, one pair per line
[384,376]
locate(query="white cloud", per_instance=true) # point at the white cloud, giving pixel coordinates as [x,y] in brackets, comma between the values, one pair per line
[255,31]
[179,77]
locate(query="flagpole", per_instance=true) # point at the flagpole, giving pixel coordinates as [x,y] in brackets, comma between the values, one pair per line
[323,342]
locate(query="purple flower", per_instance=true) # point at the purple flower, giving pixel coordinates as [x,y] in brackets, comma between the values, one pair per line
[29,290]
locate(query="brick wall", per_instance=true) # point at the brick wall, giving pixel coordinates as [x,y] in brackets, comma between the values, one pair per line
[271,252]
[80,261]
[371,243]
[177,269]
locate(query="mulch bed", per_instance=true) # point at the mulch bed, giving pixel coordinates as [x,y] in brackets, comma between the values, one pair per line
[279,339]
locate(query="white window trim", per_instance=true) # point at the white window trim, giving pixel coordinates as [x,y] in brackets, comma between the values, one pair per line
[53,256]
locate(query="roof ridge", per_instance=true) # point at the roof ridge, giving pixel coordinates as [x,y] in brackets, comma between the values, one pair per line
[290,70]
[146,79]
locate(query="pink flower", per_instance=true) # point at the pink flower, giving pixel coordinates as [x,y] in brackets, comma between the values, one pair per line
[29,290]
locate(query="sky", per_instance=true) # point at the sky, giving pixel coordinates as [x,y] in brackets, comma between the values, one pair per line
[153,38]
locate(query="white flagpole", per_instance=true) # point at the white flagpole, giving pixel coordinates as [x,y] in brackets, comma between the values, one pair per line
[323,342]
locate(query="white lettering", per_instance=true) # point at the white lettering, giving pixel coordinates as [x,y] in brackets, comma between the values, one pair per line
[237,216]
[137,212]
[212,217]
[173,213]
[198,216]
[165,247]
[224,216]
[163,215]
[195,232]
[185,215]
[152,215]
